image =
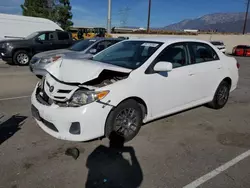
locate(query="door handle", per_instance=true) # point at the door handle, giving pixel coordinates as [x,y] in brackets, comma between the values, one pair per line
[191,74]
[219,68]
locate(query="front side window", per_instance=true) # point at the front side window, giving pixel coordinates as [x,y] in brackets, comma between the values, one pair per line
[82,45]
[202,52]
[128,54]
[45,36]
[175,54]
[42,36]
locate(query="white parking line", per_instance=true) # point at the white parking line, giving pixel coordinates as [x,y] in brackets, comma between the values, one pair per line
[218,170]
[13,98]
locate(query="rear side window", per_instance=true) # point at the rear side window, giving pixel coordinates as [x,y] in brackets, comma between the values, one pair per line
[201,52]
[63,36]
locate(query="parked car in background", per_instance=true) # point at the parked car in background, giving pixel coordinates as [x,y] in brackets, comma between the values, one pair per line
[131,82]
[20,51]
[241,50]
[82,49]
[220,45]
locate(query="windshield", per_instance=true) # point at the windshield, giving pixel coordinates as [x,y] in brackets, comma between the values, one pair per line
[32,35]
[82,45]
[217,43]
[128,54]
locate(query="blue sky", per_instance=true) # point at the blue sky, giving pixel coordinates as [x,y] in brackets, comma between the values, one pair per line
[164,12]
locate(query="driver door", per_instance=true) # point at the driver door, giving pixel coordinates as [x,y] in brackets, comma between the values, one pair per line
[44,42]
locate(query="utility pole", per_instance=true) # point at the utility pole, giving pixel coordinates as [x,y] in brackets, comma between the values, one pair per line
[246,16]
[149,12]
[109,17]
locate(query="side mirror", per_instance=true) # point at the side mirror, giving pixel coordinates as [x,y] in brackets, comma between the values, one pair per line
[92,51]
[163,66]
[38,40]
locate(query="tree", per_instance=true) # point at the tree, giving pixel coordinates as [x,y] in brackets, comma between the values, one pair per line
[36,8]
[58,11]
[63,14]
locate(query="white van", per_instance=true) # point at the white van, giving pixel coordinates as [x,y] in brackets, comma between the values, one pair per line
[16,26]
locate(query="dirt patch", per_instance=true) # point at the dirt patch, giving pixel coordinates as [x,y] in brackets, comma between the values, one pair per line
[57,153]
[27,165]
[205,127]
[241,140]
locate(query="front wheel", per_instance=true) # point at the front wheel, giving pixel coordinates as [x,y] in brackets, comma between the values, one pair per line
[221,96]
[125,120]
[21,57]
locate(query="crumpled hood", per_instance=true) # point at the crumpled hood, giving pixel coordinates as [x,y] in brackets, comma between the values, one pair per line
[80,70]
[52,53]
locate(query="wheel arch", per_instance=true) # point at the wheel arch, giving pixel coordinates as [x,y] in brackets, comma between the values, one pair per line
[22,49]
[139,100]
[228,80]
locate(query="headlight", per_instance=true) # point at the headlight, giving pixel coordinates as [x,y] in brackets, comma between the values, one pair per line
[81,97]
[50,60]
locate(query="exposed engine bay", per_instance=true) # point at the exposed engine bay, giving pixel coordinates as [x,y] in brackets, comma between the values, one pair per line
[107,77]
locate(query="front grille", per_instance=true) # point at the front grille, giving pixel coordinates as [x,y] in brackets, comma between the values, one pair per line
[63,91]
[44,99]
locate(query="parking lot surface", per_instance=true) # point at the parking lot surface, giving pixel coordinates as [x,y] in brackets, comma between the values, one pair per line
[175,151]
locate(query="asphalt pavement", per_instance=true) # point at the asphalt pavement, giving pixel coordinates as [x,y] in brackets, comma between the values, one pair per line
[185,149]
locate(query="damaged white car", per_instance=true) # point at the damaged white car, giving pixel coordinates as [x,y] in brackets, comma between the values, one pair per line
[130,83]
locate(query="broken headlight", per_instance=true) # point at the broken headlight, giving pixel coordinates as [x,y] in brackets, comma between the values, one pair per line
[41,83]
[83,97]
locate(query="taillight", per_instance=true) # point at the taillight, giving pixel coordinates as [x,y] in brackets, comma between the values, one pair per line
[238,65]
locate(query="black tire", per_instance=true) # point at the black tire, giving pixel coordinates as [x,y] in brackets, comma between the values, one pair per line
[21,57]
[111,128]
[221,96]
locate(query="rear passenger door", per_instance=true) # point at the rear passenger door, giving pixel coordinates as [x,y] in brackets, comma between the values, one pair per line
[63,40]
[206,69]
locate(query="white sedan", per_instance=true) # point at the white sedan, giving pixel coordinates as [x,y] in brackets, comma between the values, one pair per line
[131,83]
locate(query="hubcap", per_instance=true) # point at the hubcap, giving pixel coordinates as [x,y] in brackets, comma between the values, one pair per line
[22,58]
[126,122]
[222,95]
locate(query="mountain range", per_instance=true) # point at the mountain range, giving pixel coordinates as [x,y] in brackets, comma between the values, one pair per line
[222,22]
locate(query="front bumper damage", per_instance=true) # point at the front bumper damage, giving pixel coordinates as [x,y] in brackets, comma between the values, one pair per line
[68,123]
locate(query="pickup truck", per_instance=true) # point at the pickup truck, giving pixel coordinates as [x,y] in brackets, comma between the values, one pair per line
[20,50]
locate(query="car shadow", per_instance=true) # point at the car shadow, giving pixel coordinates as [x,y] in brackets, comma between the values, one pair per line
[108,168]
[9,127]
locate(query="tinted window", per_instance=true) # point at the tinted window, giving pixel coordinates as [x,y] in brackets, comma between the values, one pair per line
[175,54]
[104,44]
[63,36]
[202,52]
[128,54]
[82,45]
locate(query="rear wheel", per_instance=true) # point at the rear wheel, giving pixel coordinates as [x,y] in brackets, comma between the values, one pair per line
[21,57]
[221,96]
[125,120]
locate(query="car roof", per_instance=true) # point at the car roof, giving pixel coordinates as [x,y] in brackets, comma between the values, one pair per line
[167,39]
